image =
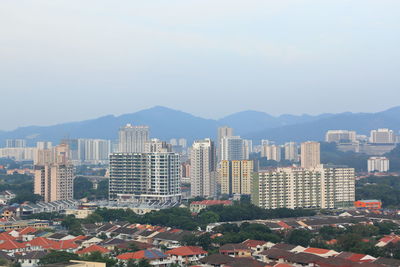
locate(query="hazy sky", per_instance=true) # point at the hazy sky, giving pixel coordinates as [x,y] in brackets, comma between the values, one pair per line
[66,60]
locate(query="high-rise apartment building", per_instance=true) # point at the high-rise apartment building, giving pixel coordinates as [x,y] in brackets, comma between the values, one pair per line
[203,169]
[44,145]
[15,143]
[340,136]
[247,148]
[330,187]
[132,138]
[235,177]
[378,164]
[54,174]
[232,148]
[223,131]
[182,142]
[310,154]
[271,152]
[145,177]
[93,151]
[291,151]
[382,136]
[156,145]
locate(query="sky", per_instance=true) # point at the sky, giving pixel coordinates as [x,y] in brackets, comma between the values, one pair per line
[70,60]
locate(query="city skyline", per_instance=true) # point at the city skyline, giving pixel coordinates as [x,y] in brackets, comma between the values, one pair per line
[113,58]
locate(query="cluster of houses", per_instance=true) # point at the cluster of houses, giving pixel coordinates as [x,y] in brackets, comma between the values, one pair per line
[162,246]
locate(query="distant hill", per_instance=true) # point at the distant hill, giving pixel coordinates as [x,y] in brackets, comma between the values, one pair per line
[362,123]
[166,123]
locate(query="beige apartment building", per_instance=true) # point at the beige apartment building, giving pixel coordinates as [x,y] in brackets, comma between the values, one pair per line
[322,187]
[235,177]
[310,155]
[54,174]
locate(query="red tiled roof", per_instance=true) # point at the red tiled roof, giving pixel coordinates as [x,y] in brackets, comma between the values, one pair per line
[93,248]
[65,244]
[212,202]
[10,245]
[27,230]
[284,225]
[386,239]
[52,244]
[40,242]
[4,236]
[316,250]
[253,243]
[149,254]
[186,251]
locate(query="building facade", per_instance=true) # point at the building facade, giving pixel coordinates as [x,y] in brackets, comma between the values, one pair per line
[232,148]
[223,131]
[310,154]
[271,152]
[378,164]
[340,136]
[382,136]
[203,169]
[291,151]
[54,174]
[235,177]
[330,187]
[132,138]
[156,145]
[145,177]
[15,143]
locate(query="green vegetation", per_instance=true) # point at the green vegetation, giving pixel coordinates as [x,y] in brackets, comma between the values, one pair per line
[58,257]
[83,188]
[386,189]
[21,185]
[331,155]
[358,238]
[231,233]
[64,257]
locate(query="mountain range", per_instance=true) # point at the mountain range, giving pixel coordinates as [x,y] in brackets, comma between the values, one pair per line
[166,123]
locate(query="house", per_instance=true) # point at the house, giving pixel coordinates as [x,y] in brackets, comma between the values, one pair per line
[60,237]
[112,243]
[197,206]
[356,257]
[274,255]
[219,260]
[325,253]
[126,233]
[93,248]
[30,259]
[86,241]
[170,239]
[235,250]
[186,255]
[6,196]
[384,241]
[153,256]
[139,245]
[257,246]
[216,260]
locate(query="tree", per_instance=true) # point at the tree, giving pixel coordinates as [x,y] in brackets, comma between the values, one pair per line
[73,225]
[26,197]
[98,257]
[300,237]
[208,217]
[58,257]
